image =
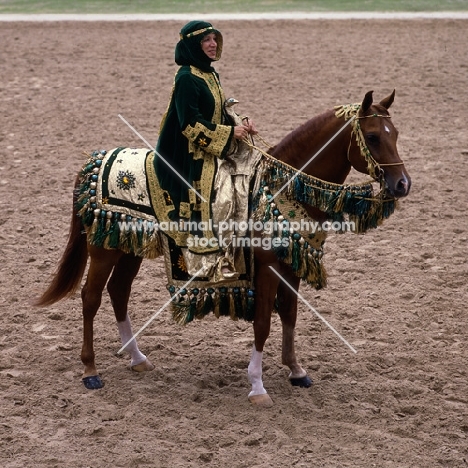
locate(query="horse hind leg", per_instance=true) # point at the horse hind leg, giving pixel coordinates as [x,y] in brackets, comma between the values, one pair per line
[287,310]
[119,288]
[101,264]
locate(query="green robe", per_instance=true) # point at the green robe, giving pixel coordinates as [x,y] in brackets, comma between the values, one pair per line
[194,134]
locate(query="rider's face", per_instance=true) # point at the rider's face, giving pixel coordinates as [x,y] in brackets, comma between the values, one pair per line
[209,45]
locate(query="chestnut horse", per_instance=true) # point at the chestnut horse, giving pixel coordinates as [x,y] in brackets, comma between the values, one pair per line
[332,162]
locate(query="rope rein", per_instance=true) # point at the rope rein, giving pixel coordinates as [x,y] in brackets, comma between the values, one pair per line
[346,111]
[313,180]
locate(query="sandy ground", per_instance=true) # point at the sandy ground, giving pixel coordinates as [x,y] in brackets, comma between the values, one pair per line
[398,294]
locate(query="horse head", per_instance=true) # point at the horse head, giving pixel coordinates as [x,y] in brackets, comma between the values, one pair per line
[374,150]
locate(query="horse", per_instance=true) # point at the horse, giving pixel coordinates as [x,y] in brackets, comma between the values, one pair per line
[323,148]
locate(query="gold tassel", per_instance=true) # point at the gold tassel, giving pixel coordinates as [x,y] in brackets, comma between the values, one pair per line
[199,314]
[303,263]
[288,258]
[216,310]
[259,213]
[94,227]
[123,238]
[232,307]
[82,211]
[338,208]
[133,237]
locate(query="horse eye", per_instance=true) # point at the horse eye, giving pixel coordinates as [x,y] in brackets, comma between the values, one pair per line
[372,139]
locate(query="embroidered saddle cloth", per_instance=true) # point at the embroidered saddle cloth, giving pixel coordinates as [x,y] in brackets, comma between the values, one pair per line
[115,204]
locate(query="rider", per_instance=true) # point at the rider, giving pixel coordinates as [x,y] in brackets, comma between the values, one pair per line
[195,135]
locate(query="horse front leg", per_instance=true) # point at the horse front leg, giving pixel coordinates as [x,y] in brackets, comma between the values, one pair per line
[100,267]
[119,288]
[266,284]
[287,310]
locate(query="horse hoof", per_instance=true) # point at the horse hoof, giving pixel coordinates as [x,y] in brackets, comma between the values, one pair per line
[144,366]
[93,382]
[303,382]
[263,401]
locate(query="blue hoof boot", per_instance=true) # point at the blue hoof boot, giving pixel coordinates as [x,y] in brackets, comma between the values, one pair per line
[303,382]
[93,382]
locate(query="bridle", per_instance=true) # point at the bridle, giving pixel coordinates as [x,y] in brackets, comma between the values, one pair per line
[374,168]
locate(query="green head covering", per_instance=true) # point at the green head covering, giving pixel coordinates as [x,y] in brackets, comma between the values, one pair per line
[189,51]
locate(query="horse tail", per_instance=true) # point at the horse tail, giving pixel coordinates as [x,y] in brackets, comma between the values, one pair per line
[71,268]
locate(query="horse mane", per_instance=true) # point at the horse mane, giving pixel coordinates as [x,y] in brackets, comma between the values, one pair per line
[297,141]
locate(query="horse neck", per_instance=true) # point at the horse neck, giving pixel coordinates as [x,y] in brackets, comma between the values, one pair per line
[303,144]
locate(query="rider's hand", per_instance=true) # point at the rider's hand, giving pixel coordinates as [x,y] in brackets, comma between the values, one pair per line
[250,125]
[241,132]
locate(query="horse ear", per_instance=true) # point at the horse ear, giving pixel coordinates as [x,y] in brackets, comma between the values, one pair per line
[388,101]
[367,102]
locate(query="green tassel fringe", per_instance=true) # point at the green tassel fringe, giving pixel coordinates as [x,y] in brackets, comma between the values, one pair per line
[236,303]
[355,203]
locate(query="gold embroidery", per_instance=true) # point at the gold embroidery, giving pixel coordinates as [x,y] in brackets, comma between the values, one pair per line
[219,139]
[184,210]
[197,32]
[181,263]
[160,203]
[193,197]
[215,88]
[162,210]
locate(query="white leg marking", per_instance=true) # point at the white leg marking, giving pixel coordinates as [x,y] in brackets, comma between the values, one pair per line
[125,331]
[255,373]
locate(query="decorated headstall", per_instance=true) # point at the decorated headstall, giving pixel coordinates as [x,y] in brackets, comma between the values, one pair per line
[351,111]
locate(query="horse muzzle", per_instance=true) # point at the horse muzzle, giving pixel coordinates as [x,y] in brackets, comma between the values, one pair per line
[399,187]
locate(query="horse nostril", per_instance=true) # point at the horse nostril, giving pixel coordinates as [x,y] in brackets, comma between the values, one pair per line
[402,186]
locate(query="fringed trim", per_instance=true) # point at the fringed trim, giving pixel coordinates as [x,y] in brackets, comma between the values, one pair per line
[113,230]
[346,111]
[304,255]
[354,203]
[355,207]
[234,302]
